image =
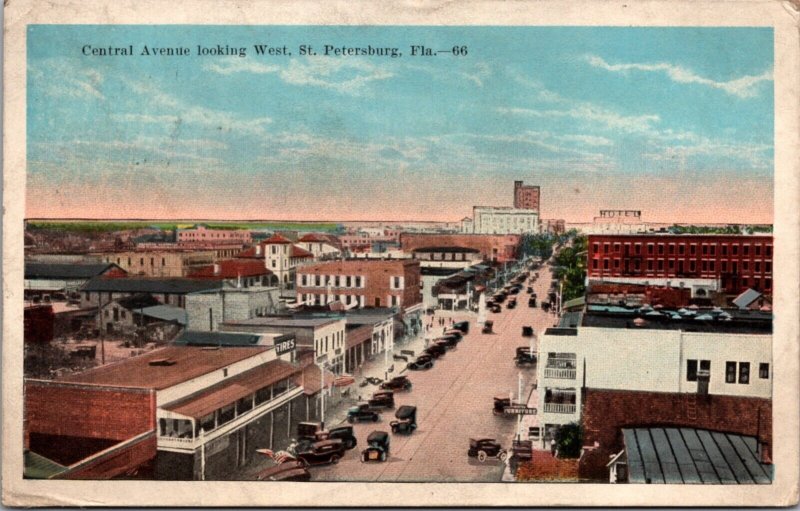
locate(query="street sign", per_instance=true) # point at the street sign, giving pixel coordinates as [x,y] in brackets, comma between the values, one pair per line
[519,410]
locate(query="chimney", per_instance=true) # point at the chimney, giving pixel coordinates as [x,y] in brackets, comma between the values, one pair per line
[258,249]
[217,269]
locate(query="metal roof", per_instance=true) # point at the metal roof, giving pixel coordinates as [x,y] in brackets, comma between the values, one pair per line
[196,338]
[40,467]
[693,456]
[65,270]
[166,313]
[746,298]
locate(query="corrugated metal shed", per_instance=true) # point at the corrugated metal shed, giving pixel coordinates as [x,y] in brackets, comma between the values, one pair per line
[693,456]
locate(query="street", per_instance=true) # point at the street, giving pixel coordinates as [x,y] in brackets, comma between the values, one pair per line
[454,401]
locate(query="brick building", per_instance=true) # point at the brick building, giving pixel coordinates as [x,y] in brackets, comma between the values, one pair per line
[703,262]
[202,234]
[492,247]
[361,283]
[160,262]
[526,196]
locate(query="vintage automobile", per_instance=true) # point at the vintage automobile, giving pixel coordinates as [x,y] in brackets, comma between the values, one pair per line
[530,290]
[293,470]
[511,304]
[448,341]
[521,450]
[322,452]
[382,399]
[514,290]
[500,404]
[532,301]
[406,421]
[422,362]
[362,412]
[524,356]
[397,383]
[495,308]
[454,332]
[487,326]
[463,326]
[310,432]
[377,447]
[527,331]
[483,448]
[435,350]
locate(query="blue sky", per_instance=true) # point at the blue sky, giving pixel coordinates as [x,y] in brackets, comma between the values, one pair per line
[677,122]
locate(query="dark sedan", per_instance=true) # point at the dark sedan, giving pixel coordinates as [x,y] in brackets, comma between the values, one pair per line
[422,362]
[322,453]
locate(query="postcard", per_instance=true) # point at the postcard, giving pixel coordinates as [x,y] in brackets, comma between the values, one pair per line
[417,254]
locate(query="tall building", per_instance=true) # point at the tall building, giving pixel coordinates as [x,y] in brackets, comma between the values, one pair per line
[526,196]
[499,220]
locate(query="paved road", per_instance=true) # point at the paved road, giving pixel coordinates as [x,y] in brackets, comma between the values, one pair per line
[454,403]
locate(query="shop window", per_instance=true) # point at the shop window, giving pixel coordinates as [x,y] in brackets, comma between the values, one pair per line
[263,395]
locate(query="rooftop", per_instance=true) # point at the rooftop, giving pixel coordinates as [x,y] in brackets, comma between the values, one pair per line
[189,362]
[456,250]
[150,285]
[66,270]
[301,322]
[357,265]
[231,269]
[693,456]
[198,338]
[690,319]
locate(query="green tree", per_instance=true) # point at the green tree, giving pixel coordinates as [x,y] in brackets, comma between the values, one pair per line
[569,440]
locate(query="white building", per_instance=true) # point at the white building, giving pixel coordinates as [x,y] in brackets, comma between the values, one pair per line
[617,351]
[321,246]
[502,220]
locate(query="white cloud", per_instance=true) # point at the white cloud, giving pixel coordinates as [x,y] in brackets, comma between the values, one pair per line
[481,72]
[341,75]
[228,67]
[71,81]
[589,112]
[744,87]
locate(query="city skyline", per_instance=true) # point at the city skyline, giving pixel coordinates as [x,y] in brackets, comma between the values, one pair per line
[675,122]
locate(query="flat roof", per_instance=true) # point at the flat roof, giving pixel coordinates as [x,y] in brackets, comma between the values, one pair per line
[693,456]
[190,362]
[228,339]
[302,322]
[688,320]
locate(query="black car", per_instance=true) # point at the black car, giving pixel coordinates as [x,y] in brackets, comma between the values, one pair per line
[532,301]
[530,290]
[294,470]
[487,326]
[397,383]
[422,362]
[322,452]
[463,326]
[453,332]
[362,412]
[382,399]
[511,304]
[495,308]
[524,356]
[310,432]
[377,447]
[449,341]
[483,448]
[527,331]
[406,421]
[436,350]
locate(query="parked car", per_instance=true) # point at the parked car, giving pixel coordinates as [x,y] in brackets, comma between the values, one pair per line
[436,350]
[495,308]
[527,331]
[294,470]
[397,383]
[463,326]
[483,448]
[453,332]
[322,452]
[530,290]
[422,362]
[382,399]
[511,304]
[377,447]
[406,421]
[310,432]
[487,326]
[521,450]
[500,404]
[448,341]
[524,356]
[532,301]
[362,412]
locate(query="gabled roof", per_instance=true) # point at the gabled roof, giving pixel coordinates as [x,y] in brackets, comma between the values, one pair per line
[231,269]
[67,270]
[314,237]
[138,301]
[300,252]
[155,285]
[166,313]
[276,239]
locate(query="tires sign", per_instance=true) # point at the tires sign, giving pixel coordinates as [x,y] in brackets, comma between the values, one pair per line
[286,346]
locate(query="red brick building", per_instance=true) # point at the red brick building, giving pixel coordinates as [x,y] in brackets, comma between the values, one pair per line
[526,196]
[361,283]
[606,412]
[729,263]
[493,247]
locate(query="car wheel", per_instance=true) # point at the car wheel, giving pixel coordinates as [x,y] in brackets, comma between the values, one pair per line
[375,418]
[351,419]
[334,459]
[502,456]
[481,456]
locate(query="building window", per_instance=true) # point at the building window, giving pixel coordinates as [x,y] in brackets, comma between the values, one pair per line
[661,264]
[637,249]
[681,249]
[671,264]
[692,267]
[671,249]
[606,248]
[693,249]
[735,249]
[768,266]
[594,265]
[605,264]
[705,250]
[650,249]
[745,265]
[746,249]
[617,247]
[660,249]
[649,265]
[691,370]
[712,250]
[758,250]
[769,251]
[730,372]
[763,371]
[744,372]
[712,266]
[724,250]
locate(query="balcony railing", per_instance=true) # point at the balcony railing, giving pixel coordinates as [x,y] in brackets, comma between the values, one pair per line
[563,374]
[559,408]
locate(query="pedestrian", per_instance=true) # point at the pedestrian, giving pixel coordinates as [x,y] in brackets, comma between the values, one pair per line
[553,446]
